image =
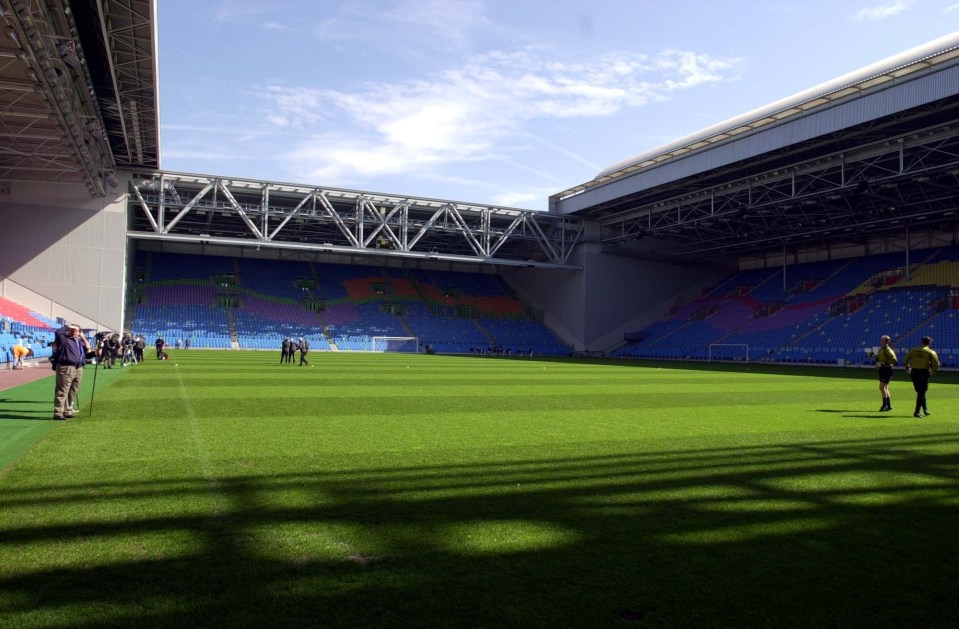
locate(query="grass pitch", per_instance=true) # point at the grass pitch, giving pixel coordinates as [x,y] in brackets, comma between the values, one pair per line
[225,489]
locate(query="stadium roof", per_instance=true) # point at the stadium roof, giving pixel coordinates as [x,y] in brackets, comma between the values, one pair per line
[855,83]
[78,90]
[203,210]
[806,168]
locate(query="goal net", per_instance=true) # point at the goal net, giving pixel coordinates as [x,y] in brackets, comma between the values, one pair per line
[404,344]
[728,351]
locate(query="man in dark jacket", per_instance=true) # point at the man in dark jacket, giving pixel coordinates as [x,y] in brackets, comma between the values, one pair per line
[285,350]
[70,350]
[304,350]
[109,350]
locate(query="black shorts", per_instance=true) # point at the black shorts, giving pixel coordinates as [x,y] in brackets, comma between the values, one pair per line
[885,373]
[920,380]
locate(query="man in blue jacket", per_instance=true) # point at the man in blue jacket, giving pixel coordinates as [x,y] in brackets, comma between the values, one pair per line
[70,350]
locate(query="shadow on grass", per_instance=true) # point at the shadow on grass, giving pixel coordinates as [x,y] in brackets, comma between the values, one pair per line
[17,408]
[37,416]
[867,372]
[882,416]
[26,409]
[851,414]
[34,400]
[843,533]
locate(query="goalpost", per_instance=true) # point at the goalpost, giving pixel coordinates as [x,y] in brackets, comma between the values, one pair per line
[742,354]
[404,344]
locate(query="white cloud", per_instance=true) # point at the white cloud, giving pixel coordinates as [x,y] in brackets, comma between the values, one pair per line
[182,153]
[883,11]
[951,8]
[559,149]
[441,23]
[476,112]
[450,22]
[522,198]
[213,130]
[277,26]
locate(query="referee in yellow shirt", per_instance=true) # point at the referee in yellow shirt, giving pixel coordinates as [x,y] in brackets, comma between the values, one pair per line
[921,363]
[885,360]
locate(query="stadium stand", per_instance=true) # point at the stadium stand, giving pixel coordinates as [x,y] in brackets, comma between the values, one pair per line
[178,299]
[21,326]
[824,313]
[220,302]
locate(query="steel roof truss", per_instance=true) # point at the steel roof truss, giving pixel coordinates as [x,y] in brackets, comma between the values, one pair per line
[427,226]
[239,210]
[465,230]
[382,218]
[501,240]
[841,187]
[146,209]
[218,209]
[189,206]
[332,213]
[286,219]
[544,242]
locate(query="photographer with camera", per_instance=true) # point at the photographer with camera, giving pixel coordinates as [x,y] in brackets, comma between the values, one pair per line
[70,352]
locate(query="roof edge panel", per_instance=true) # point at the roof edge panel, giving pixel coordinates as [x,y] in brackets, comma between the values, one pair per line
[836,86]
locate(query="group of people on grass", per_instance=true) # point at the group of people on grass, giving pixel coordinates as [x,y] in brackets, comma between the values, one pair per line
[290,347]
[71,350]
[921,364]
[128,349]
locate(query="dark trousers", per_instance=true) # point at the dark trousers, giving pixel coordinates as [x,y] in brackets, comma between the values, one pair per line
[920,382]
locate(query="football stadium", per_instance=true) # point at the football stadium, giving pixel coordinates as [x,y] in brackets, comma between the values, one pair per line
[654,405]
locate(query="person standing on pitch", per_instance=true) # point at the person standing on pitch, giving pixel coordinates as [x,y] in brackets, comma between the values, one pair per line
[885,360]
[304,350]
[70,350]
[138,347]
[921,363]
[126,348]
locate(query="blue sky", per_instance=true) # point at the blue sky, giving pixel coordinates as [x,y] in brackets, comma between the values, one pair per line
[500,102]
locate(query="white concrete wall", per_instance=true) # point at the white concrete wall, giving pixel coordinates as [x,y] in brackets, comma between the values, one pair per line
[613,293]
[67,248]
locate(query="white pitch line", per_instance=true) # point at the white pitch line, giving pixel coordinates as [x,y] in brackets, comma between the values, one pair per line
[206,468]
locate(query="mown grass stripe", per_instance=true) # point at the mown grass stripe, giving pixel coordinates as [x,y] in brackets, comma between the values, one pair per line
[460,491]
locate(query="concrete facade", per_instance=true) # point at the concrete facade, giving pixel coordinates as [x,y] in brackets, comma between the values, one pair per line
[68,249]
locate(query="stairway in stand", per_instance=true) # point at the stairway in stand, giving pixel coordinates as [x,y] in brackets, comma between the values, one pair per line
[489,337]
[231,324]
[128,313]
[329,338]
